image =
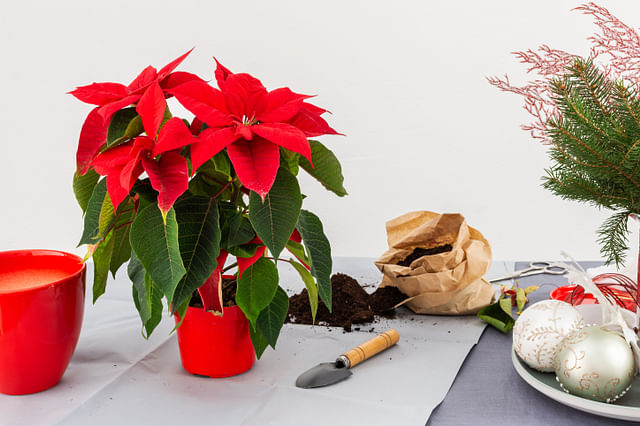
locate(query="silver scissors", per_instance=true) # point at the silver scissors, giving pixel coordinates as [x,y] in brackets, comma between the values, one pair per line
[534,269]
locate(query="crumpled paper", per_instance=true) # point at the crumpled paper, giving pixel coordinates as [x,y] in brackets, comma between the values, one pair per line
[447,283]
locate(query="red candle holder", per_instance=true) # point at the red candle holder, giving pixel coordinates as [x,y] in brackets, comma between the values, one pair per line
[575,295]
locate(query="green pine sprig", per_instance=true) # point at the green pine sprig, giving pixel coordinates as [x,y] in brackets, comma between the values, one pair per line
[595,149]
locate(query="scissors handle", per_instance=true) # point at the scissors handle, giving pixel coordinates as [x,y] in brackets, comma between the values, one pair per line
[534,268]
[548,268]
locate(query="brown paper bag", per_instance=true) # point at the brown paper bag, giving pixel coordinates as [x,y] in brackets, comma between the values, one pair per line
[446,283]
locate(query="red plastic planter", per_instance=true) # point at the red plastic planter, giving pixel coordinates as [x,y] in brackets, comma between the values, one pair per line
[41,309]
[215,346]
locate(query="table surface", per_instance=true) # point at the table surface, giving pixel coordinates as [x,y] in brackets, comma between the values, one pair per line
[117,377]
[434,374]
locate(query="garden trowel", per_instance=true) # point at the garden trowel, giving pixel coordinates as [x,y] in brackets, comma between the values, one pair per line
[329,373]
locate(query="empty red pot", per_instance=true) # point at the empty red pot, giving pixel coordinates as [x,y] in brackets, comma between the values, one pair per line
[215,346]
[41,309]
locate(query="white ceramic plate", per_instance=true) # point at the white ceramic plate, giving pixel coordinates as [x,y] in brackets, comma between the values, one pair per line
[626,408]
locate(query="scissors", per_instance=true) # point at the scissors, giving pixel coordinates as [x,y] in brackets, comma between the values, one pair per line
[534,269]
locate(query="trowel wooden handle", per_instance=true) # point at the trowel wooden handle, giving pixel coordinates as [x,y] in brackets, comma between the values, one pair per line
[368,349]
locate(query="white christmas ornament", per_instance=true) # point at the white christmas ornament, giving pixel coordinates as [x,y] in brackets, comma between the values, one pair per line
[540,329]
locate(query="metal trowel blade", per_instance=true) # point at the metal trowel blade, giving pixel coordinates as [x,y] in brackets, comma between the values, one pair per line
[323,374]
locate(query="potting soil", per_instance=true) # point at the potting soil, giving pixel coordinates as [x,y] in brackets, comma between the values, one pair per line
[351,304]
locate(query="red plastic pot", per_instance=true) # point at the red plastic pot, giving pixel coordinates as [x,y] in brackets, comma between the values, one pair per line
[41,309]
[215,346]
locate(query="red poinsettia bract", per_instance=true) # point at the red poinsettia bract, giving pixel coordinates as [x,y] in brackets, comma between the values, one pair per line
[251,123]
[148,91]
[168,174]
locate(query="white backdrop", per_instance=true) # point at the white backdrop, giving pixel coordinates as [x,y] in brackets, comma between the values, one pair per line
[405,81]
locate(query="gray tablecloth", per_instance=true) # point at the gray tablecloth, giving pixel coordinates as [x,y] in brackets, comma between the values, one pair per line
[488,391]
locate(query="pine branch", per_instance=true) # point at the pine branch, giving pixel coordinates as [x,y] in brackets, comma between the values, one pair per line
[572,104]
[595,149]
[583,149]
[572,186]
[613,238]
[628,106]
[590,121]
[598,90]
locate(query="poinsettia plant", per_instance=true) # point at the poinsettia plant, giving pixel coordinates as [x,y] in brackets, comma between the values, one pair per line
[179,198]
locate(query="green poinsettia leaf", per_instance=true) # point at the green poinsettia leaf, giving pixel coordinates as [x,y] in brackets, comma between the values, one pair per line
[217,169]
[256,288]
[101,261]
[121,228]
[276,218]
[181,311]
[199,241]
[107,216]
[240,230]
[227,211]
[260,342]
[222,164]
[125,124]
[146,194]
[317,244]
[136,274]
[506,305]
[290,160]
[212,178]
[298,251]
[204,187]
[496,315]
[83,186]
[246,250]
[153,296]
[271,319]
[521,299]
[155,242]
[91,231]
[121,249]
[326,168]
[310,284]
[168,116]
[147,296]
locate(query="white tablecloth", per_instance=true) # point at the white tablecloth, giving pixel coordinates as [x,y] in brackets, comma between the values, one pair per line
[118,377]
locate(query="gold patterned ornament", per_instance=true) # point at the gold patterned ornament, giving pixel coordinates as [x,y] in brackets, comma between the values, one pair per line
[595,363]
[540,329]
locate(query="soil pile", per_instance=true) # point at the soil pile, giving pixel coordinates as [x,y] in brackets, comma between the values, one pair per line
[351,304]
[384,299]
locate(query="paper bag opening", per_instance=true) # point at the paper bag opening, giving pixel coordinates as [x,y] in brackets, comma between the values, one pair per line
[438,261]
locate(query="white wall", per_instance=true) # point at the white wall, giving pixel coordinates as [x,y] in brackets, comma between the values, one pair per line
[405,81]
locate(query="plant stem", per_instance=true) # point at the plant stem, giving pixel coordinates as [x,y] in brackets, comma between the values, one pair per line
[214,180]
[236,194]
[222,190]
[233,265]
[279,259]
